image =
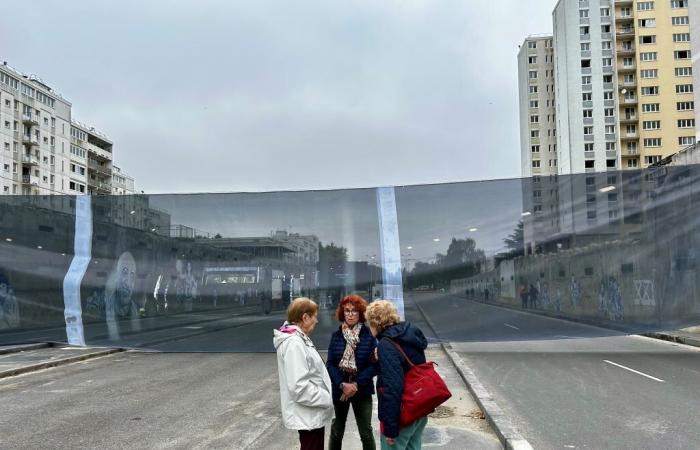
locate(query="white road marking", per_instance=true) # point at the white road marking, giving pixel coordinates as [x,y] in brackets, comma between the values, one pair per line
[511,326]
[192,328]
[634,371]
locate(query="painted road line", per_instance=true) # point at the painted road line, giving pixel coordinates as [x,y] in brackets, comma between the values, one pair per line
[192,328]
[511,326]
[634,371]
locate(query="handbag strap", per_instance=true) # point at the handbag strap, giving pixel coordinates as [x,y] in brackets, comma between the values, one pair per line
[408,360]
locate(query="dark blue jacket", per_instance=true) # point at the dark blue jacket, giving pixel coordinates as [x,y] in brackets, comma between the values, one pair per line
[393,367]
[366,370]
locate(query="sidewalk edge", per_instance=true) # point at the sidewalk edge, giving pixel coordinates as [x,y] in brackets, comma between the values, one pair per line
[56,363]
[23,348]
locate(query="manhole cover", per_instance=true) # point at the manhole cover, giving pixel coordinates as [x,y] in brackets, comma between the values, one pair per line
[442,412]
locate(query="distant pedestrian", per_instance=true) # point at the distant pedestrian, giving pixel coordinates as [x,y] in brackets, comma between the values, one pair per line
[305,387]
[523,296]
[385,324]
[352,370]
[533,296]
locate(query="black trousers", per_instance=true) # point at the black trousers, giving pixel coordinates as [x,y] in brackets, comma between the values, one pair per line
[312,439]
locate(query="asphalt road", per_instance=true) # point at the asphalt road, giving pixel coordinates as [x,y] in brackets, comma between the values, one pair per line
[569,385]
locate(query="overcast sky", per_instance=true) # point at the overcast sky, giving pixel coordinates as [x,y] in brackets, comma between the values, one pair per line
[225,96]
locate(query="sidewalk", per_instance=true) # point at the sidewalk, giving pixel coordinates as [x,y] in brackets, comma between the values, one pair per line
[687,336]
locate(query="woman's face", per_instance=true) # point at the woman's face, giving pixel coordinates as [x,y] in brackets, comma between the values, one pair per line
[308,323]
[352,315]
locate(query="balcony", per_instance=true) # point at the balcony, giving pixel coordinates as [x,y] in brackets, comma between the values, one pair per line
[30,140]
[626,51]
[632,83]
[92,165]
[629,136]
[627,68]
[31,180]
[30,159]
[623,2]
[629,119]
[30,119]
[629,101]
[624,32]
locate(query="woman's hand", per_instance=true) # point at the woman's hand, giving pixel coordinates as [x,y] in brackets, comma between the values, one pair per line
[349,389]
[390,441]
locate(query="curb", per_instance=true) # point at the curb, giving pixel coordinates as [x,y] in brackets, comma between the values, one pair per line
[507,433]
[57,362]
[694,342]
[23,348]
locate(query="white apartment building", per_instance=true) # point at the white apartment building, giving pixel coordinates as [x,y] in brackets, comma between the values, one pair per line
[122,184]
[537,106]
[587,134]
[694,18]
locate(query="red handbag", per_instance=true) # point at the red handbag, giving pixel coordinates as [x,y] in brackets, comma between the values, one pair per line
[423,390]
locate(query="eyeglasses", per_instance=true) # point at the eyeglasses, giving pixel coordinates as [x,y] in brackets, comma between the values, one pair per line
[350,311]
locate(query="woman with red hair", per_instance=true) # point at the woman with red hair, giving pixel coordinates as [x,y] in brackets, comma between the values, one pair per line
[352,368]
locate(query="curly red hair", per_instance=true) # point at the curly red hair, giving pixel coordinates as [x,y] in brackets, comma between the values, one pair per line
[358,302]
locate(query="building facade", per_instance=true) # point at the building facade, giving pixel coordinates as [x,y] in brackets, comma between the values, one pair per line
[537,111]
[122,184]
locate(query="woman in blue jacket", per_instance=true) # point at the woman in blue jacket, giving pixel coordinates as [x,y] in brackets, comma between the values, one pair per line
[385,324]
[352,369]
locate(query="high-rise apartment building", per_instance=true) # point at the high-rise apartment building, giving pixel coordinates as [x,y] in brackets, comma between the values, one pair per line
[587,130]
[537,111]
[44,151]
[122,184]
[623,84]
[654,67]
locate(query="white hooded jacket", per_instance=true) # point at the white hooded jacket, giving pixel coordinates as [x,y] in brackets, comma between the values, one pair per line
[305,386]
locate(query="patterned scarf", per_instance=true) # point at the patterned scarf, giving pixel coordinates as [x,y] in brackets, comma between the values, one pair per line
[352,337]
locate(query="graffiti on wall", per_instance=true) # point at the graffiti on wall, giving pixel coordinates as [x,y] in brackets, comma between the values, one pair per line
[9,308]
[574,292]
[645,293]
[610,299]
[186,286]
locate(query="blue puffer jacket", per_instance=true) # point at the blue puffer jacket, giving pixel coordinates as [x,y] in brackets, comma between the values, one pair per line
[393,367]
[366,370]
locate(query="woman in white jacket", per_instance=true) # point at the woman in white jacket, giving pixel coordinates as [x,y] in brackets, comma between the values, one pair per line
[305,387]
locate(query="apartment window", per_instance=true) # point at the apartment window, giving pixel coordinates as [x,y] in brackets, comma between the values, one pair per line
[610,163]
[607,78]
[536,163]
[679,4]
[626,12]
[589,164]
[534,118]
[535,148]
[628,78]
[605,12]
[649,73]
[533,74]
[685,106]
[681,54]
[632,163]
[585,63]
[683,71]
[532,89]
[652,159]
[632,147]
[609,146]
[651,125]
[588,147]
[587,113]
[652,142]
[648,39]
[686,140]
[585,31]
[587,96]
[587,130]
[605,28]
[583,13]
[534,104]
[647,56]
[645,6]
[532,60]
[686,123]
[647,23]
[607,62]
[535,134]
[681,20]
[609,112]
[650,90]
[584,80]
[609,129]
[532,44]
[681,37]
[606,45]
[650,107]
[607,95]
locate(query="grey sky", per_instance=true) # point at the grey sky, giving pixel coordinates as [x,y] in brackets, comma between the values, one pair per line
[203,96]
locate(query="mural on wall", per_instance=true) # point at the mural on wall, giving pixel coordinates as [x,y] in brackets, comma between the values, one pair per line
[557,301]
[544,294]
[9,308]
[574,292]
[645,293]
[610,299]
